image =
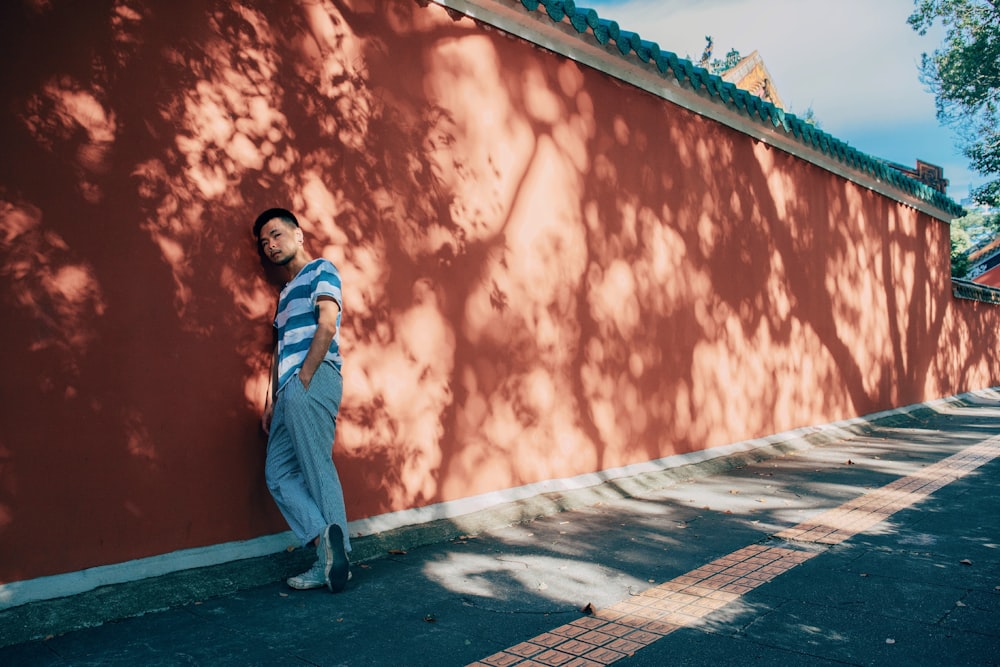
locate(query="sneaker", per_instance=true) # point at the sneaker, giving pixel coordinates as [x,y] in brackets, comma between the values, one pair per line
[337,569]
[315,577]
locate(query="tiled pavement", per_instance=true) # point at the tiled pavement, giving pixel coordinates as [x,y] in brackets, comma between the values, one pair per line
[617,632]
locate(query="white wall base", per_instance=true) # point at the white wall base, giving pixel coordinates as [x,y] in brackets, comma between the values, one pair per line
[71,583]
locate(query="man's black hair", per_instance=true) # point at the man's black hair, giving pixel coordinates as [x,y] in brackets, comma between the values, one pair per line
[269,215]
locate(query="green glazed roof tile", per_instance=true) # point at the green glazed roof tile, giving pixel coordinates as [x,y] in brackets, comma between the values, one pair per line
[606,30]
[555,11]
[699,76]
[639,45]
[783,120]
[742,99]
[554,8]
[778,118]
[624,42]
[682,69]
[713,87]
[653,48]
[581,19]
[728,92]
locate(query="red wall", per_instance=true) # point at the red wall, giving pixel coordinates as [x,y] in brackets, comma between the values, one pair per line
[991,278]
[547,272]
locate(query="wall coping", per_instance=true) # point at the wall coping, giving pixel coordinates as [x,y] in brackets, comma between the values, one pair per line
[966,289]
[581,35]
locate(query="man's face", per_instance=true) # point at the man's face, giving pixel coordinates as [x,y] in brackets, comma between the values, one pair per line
[280,241]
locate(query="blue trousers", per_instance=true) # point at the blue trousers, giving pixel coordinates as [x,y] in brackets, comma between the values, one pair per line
[299,468]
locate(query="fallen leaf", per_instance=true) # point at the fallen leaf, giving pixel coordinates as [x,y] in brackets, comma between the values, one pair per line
[397,552]
[850,462]
[965,561]
[734,491]
[430,618]
[890,641]
[542,586]
[284,595]
[960,604]
[589,609]
[864,574]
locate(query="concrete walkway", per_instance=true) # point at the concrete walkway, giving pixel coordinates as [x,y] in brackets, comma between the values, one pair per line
[878,549]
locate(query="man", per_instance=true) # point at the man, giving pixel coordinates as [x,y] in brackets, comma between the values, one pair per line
[300,412]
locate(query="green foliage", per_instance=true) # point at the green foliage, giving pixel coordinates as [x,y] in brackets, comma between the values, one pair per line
[969,233]
[964,75]
[959,252]
[980,227]
[810,117]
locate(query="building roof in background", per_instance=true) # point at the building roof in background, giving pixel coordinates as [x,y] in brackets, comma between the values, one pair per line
[991,248]
[750,74]
[925,172]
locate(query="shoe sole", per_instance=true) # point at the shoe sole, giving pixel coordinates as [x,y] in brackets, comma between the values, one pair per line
[337,565]
[302,587]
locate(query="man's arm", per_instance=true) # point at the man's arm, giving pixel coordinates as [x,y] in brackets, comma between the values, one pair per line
[272,390]
[326,329]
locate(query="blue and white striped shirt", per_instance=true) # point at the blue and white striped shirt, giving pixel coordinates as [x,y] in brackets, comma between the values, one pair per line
[298,316]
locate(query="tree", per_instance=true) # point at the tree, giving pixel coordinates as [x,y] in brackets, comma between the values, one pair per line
[964,75]
[959,252]
[970,233]
[810,117]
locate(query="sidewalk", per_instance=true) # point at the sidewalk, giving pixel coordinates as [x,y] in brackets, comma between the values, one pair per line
[880,549]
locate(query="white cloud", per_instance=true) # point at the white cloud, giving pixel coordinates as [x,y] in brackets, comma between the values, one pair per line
[852,61]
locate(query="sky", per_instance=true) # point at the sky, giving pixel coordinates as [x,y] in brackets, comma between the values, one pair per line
[854,62]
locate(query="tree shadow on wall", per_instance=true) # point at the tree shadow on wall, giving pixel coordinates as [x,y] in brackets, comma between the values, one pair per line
[147,136]
[768,294]
[546,272]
